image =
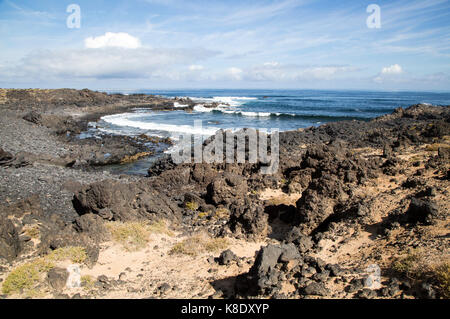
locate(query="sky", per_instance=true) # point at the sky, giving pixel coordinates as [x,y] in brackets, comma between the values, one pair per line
[260,44]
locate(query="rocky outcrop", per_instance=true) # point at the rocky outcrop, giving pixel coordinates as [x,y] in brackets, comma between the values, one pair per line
[57,278]
[113,200]
[5,157]
[10,245]
[227,189]
[248,219]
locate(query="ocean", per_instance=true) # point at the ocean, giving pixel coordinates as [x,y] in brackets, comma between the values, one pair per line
[281,110]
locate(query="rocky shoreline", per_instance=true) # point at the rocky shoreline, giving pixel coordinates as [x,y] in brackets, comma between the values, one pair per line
[349,197]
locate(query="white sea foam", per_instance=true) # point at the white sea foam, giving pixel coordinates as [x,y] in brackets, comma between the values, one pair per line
[230,100]
[176,104]
[255,114]
[126,120]
[203,109]
[117,117]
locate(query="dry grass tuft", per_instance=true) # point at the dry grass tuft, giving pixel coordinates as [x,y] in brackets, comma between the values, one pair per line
[416,266]
[221,213]
[160,227]
[442,275]
[199,243]
[411,265]
[131,235]
[75,254]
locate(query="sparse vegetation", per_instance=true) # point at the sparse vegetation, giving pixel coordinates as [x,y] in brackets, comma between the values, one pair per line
[192,206]
[221,213]
[199,243]
[416,267]
[411,265]
[32,231]
[442,275]
[160,227]
[87,282]
[203,215]
[25,277]
[131,235]
[75,254]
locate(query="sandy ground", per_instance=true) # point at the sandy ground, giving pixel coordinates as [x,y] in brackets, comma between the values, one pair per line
[141,274]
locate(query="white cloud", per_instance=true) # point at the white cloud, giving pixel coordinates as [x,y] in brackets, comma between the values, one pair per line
[117,63]
[196,67]
[390,73]
[235,73]
[110,39]
[271,64]
[393,69]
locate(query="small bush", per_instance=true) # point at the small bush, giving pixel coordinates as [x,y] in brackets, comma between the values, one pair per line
[442,275]
[203,215]
[410,265]
[192,206]
[416,267]
[75,254]
[25,277]
[196,244]
[131,235]
[87,282]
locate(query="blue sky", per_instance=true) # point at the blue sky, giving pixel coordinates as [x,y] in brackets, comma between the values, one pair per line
[291,44]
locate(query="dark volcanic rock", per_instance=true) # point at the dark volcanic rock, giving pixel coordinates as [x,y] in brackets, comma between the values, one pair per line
[248,219]
[227,189]
[57,278]
[10,246]
[303,242]
[315,288]
[423,211]
[33,117]
[91,225]
[5,157]
[227,257]
[119,201]
[264,275]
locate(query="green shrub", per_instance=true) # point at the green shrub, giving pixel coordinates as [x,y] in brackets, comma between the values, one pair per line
[26,276]
[192,206]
